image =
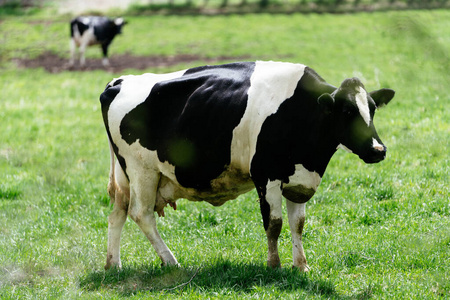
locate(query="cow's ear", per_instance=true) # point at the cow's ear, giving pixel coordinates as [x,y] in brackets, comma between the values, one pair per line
[382,97]
[327,102]
[120,21]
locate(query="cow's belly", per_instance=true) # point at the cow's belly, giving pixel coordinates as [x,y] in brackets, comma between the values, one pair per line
[229,185]
[302,185]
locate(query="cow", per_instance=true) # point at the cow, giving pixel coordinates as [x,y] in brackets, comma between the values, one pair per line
[212,133]
[92,30]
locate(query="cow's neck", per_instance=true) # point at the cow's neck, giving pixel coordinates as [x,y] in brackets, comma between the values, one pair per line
[317,144]
[315,149]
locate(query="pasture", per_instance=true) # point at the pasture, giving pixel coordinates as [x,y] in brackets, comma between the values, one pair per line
[372,231]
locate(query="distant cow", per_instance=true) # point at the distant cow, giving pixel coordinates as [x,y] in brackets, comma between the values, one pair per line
[93,30]
[212,133]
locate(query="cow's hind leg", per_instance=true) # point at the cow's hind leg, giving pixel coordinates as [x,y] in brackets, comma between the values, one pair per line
[270,203]
[81,53]
[296,215]
[73,53]
[141,210]
[116,220]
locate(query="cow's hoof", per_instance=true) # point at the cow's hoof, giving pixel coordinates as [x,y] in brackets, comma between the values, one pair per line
[304,268]
[276,264]
[113,267]
[169,260]
[177,265]
[110,265]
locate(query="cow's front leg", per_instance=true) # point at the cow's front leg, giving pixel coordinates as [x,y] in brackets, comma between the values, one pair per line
[296,216]
[270,204]
[141,210]
[116,220]
[105,61]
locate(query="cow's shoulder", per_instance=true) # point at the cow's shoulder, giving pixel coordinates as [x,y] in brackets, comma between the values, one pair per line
[271,84]
[104,28]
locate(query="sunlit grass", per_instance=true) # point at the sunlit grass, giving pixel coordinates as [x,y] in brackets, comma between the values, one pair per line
[377,231]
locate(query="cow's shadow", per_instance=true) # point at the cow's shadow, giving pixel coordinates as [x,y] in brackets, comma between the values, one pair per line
[219,276]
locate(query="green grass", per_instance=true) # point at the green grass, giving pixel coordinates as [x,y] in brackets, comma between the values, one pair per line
[372,231]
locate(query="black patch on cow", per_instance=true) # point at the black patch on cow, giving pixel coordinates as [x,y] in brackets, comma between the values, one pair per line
[189,120]
[79,25]
[105,29]
[298,133]
[106,98]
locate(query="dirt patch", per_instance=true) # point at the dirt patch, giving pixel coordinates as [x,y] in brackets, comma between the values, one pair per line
[55,64]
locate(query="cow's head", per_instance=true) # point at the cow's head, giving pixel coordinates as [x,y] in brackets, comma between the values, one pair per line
[119,23]
[352,110]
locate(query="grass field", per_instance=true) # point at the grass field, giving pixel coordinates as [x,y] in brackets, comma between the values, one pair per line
[372,231]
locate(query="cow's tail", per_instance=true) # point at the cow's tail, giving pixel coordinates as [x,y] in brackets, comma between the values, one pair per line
[112,186]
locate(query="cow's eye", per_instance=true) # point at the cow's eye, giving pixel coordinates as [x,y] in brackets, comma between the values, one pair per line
[347,110]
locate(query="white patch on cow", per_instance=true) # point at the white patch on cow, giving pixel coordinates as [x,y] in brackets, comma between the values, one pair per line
[363,105]
[273,197]
[85,39]
[304,177]
[376,145]
[270,85]
[340,146]
[88,38]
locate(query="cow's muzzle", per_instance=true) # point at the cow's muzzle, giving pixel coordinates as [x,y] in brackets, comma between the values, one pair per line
[376,154]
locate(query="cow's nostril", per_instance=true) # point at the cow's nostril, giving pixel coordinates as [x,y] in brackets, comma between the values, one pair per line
[377,146]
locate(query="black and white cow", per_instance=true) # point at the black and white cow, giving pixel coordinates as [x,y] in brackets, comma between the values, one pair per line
[212,133]
[93,30]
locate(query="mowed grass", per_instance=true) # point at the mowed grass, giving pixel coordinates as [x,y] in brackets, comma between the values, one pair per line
[372,231]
